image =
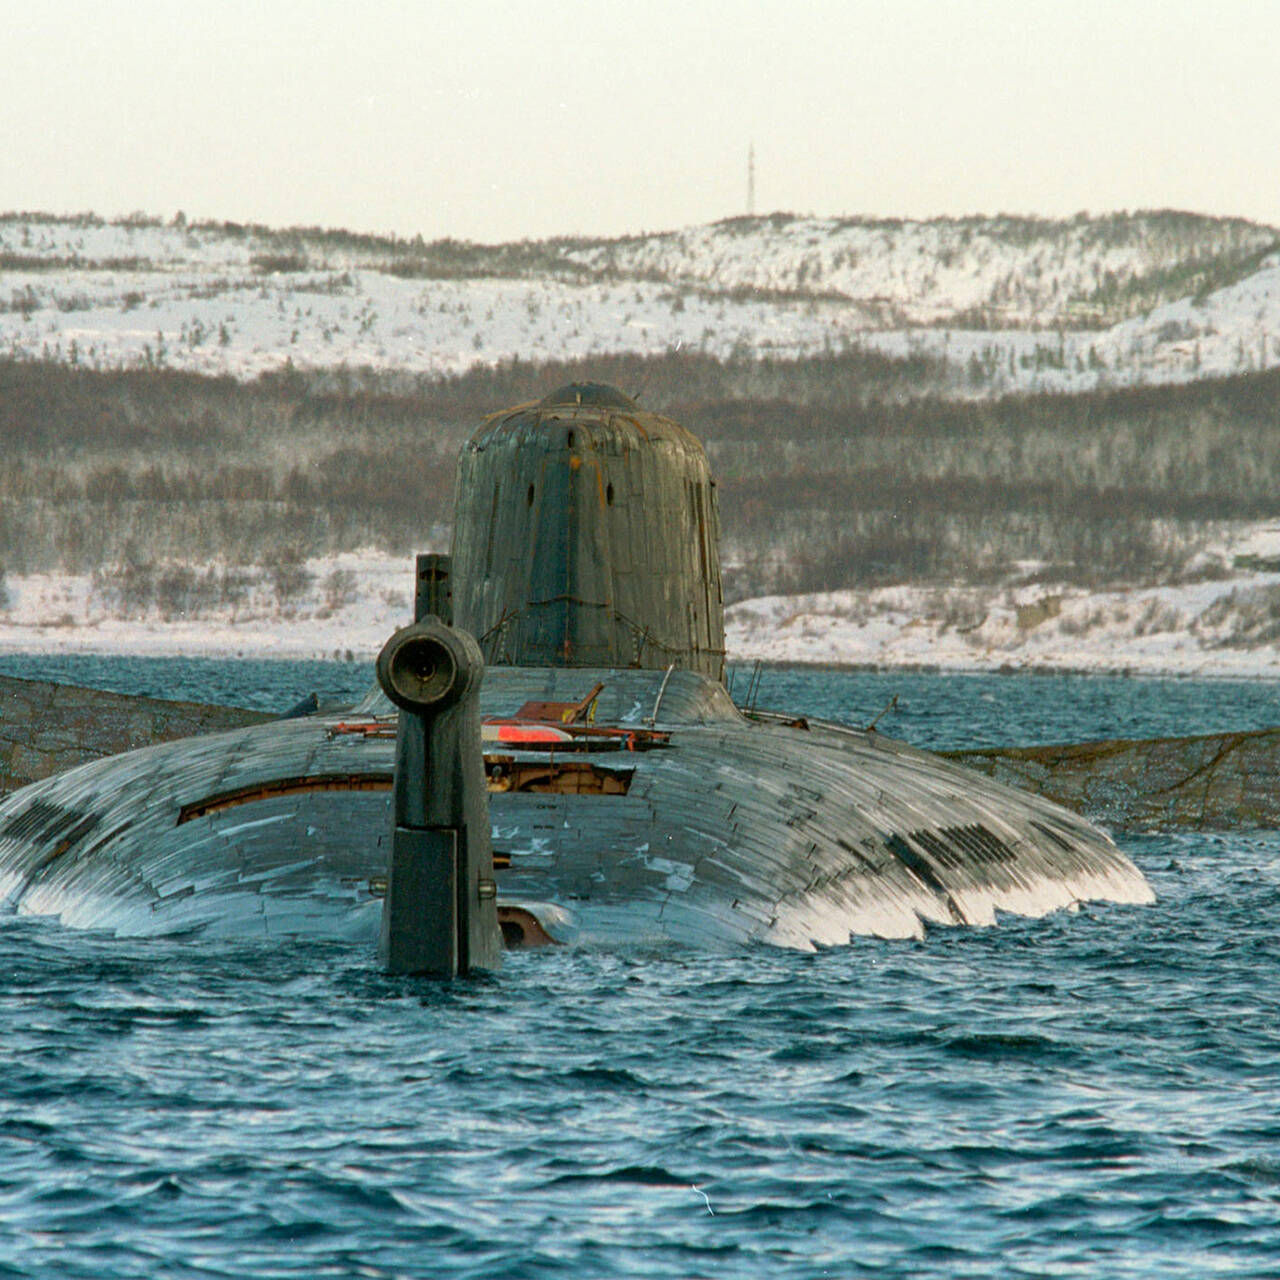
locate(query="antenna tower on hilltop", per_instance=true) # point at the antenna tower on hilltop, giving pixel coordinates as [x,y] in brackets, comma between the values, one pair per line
[751,180]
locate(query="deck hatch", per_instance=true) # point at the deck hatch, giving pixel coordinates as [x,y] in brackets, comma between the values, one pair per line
[276,787]
[557,777]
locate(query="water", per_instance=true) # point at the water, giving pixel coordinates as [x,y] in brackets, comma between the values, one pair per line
[1091,1095]
[264,684]
[931,710]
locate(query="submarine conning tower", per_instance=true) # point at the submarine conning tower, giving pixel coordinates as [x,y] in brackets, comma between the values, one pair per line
[586,534]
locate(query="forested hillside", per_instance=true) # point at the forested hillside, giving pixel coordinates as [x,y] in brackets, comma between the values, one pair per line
[828,478]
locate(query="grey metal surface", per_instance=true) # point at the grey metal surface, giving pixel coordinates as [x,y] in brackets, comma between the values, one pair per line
[586,533]
[733,831]
[440,913]
[433,589]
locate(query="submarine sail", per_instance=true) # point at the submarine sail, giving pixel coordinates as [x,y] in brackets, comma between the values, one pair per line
[586,534]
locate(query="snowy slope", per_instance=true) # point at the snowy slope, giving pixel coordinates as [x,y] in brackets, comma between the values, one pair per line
[1010,304]
[1026,272]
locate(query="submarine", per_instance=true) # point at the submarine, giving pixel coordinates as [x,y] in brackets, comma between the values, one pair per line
[630,801]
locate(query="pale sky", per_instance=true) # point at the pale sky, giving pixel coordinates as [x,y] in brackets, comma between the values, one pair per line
[504,119]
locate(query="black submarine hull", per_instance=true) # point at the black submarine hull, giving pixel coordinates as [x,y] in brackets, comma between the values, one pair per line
[629,800]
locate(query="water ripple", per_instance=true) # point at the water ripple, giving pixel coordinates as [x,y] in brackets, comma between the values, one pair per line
[1095,1094]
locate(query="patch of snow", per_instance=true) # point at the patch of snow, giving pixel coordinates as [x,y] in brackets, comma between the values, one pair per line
[1214,628]
[51,613]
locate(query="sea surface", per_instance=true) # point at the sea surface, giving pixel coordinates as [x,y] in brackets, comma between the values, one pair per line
[1095,1094]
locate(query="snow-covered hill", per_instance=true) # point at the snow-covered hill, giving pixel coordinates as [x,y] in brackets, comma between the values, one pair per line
[1008,304]
[1019,272]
